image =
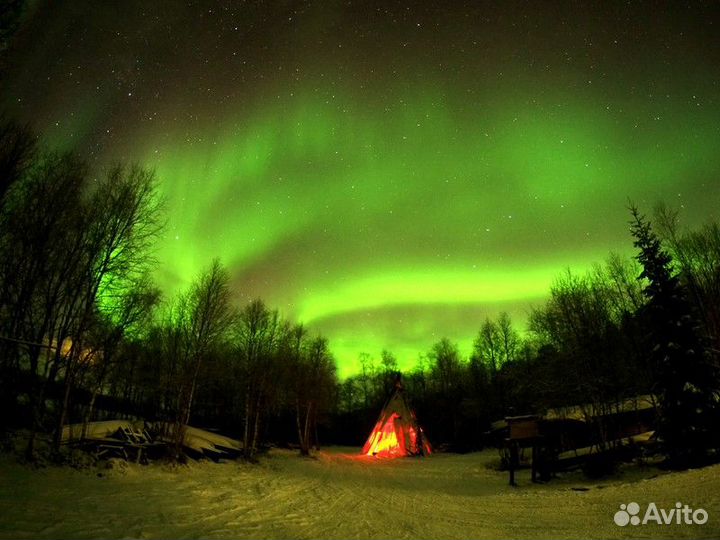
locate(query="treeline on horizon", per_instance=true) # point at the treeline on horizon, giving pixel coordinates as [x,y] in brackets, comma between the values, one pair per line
[85,334]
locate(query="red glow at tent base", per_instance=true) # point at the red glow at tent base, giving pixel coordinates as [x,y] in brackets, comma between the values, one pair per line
[396,433]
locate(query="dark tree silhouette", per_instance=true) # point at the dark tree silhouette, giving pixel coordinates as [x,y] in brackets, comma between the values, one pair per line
[687,382]
[18,149]
[204,319]
[487,345]
[314,382]
[258,334]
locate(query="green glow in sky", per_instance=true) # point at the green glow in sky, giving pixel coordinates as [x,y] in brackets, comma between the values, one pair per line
[389,183]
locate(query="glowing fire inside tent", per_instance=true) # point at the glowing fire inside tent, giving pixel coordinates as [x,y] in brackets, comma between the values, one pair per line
[396,433]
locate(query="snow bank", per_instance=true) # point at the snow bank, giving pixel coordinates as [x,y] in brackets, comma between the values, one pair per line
[197,439]
[99,430]
[200,439]
[339,494]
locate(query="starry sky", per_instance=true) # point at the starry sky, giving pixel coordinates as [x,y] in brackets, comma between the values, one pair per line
[388,173]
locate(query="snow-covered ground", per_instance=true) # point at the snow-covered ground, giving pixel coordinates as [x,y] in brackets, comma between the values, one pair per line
[340,495]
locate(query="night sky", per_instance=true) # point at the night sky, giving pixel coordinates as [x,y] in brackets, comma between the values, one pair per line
[387,173]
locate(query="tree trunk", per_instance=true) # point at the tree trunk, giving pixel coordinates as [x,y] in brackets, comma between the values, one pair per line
[246,433]
[129,381]
[96,390]
[57,438]
[187,394]
[37,403]
[256,429]
[304,450]
[315,429]
[306,428]
[88,413]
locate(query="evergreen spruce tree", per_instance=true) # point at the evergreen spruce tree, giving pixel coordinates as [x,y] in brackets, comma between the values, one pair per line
[686,378]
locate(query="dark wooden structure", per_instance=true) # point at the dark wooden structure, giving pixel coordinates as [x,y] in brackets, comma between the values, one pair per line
[125,443]
[523,432]
[568,437]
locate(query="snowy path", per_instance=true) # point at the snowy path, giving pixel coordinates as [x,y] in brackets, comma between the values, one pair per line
[339,496]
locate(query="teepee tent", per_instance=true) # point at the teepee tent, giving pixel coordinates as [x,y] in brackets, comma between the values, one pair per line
[397,433]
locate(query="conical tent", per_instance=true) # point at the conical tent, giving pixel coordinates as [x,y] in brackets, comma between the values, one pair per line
[397,433]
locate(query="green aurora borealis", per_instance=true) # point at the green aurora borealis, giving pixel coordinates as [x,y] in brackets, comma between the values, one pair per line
[387,175]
